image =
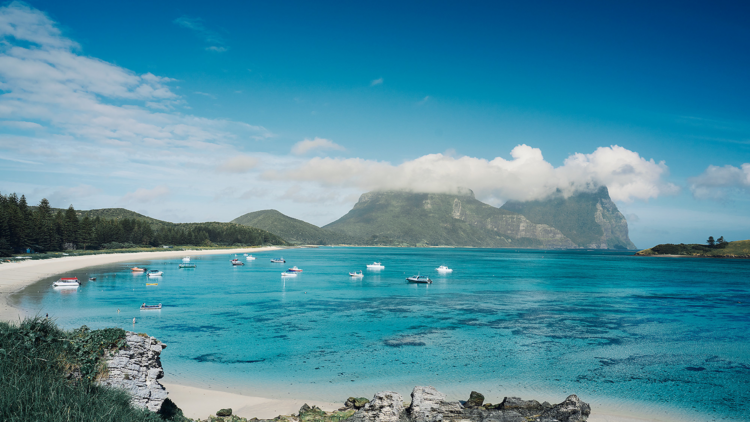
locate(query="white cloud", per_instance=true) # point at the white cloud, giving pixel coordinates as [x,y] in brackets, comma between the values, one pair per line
[21,125]
[378,81]
[69,196]
[716,182]
[307,145]
[143,195]
[239,164]
[424,100]
[197,26]
[217,49]
[526,176]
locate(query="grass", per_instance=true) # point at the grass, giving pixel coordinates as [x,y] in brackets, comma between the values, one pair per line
[48,375]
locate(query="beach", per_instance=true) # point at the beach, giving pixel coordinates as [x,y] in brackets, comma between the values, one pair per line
[200,402]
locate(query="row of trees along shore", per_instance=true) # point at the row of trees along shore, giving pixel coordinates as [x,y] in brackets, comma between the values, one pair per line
[42,229]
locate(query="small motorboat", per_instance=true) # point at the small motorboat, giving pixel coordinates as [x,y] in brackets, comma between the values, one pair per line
[187,265]
[92,278]
[67,282]
[357,274]
[145,307]
[288,274]
[154,273]
[444,269]
[236,261]
[422,279]
[294,270]
[375,266]
[186,259]
[250,257]
[138,270]
[278,260]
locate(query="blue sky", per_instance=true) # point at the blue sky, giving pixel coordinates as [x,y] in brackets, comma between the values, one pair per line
[189,111]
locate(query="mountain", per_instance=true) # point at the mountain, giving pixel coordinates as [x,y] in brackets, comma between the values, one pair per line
[433,219]
[590,219]
[293,230]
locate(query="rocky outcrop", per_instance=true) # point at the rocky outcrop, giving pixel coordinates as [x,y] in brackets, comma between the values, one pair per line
[136,369]
[430,405]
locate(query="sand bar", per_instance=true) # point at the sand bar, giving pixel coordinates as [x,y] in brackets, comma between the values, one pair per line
[199,402]
[14,276]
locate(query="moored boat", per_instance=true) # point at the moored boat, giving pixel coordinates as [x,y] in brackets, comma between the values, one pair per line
[138,270]
[154,273]
[67,282]
[186,259]
[375,266]
[288,274]
[250,257]
[92,278]
[422,279]
[187,265]
[444,269]
[278,260]
[145,307]
[236,261]
[356,274]
[294,270]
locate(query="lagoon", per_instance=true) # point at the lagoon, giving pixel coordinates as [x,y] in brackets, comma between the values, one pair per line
[659,335]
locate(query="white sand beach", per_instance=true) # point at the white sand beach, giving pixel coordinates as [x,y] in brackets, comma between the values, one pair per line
[198,402]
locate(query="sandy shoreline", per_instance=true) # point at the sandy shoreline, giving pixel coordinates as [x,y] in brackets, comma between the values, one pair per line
[198,402]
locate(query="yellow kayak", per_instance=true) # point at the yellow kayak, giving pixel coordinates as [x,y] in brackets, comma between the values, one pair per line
[152,284]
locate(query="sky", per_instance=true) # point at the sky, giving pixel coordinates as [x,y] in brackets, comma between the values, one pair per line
[193,111]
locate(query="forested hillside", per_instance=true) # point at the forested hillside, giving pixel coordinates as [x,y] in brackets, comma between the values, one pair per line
[43,229]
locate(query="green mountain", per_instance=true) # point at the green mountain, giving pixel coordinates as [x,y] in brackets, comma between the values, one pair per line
[589,219]
[432,219]
[293,230]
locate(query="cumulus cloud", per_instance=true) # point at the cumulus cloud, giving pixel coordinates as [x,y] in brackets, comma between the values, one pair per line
[716,182]
[239,164]
[527,176]
[303,147]
[143,195]
[378,81]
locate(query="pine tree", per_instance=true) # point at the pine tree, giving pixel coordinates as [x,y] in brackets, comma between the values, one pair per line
[70,229]
[85,232]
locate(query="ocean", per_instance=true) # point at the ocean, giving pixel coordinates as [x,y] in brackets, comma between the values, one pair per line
[658,336]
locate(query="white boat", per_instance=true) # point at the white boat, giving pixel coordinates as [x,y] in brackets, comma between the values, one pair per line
[187,265]
[294,269]
[250,258]
[444,269]
[236,261]
[145,307]
[356,274]
[288,274]
[278,260]
[67,282]
[154,273]
[375,266]
[423,279]
[186,259]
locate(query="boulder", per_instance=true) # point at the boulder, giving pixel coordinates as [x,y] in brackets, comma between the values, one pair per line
[475,400]
[224,412]
[356,403]
[385,406]
[306,412]
[571,410]
[429,405]
[523,407]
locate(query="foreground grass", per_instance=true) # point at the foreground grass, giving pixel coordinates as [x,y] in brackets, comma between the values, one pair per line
[736,249]
[48,375]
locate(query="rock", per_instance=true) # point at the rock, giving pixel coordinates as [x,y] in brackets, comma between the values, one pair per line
[385,406]
[571,410]
[355,403]
[428,405]
[136,369]
[224,412]
[306,412]
[523,407]
[475,400]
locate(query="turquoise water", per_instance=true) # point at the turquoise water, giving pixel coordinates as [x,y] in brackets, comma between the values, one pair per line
[656,333]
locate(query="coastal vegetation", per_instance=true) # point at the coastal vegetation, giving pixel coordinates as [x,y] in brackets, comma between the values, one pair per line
[47,374]
[715,249]
[293,230]
[44,229]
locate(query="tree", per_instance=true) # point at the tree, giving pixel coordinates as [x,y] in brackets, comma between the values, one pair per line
[85,232]
[711,242]
[720,242]
[70,229]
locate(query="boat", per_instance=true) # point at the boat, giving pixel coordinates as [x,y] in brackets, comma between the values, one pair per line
[187,265]
[245,254]
[92,278]
[444,269]
[423,279]
[236,261]
[250,257]
[356,274]
[154,273]
[288,274]
[375,266]
[186,259]
[278,260]
[67,282]
[138,270]
[145,307]
[294,270]
[152,284]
